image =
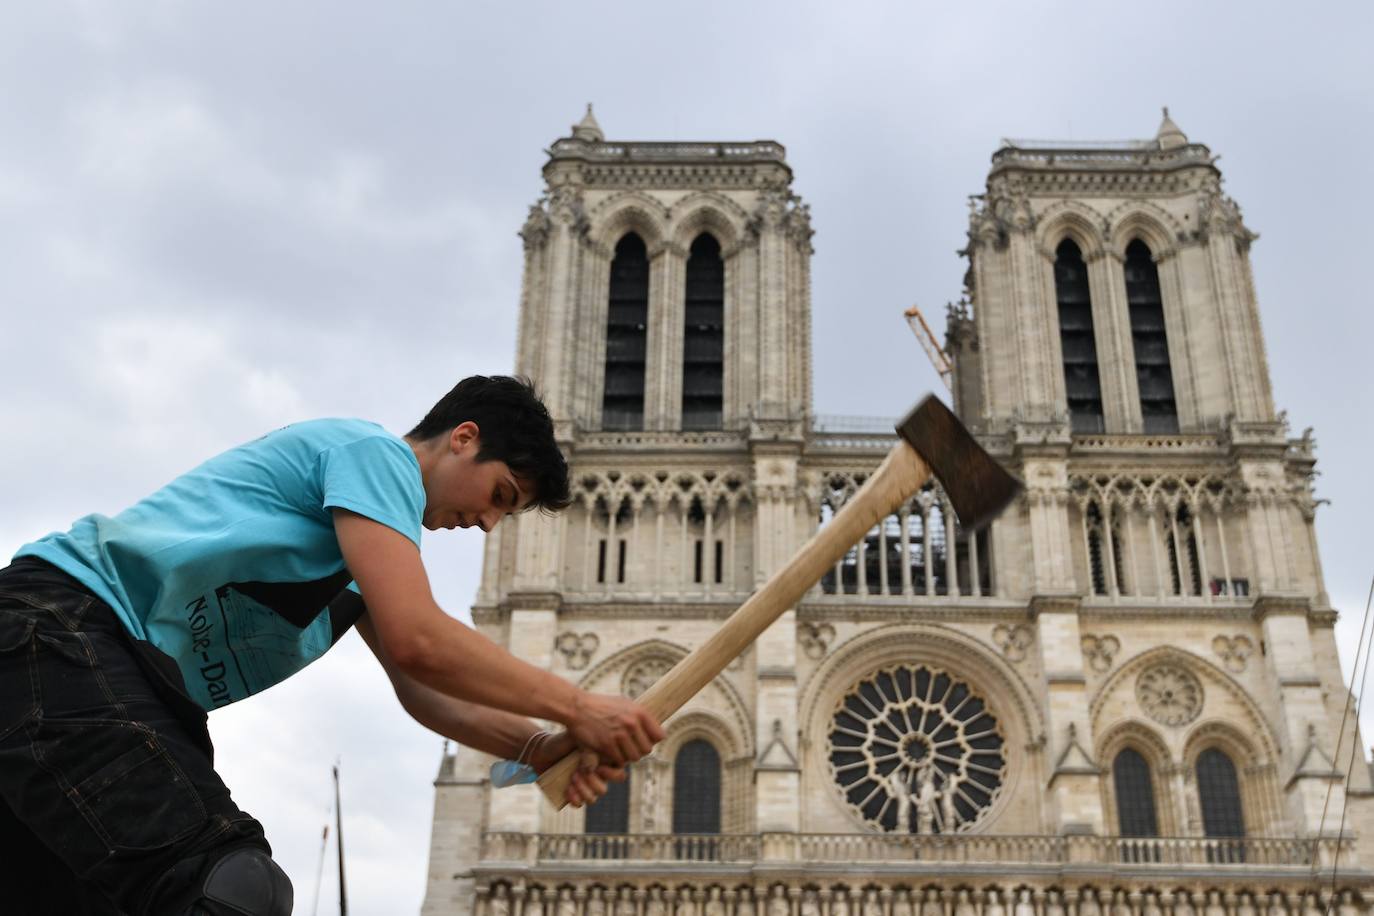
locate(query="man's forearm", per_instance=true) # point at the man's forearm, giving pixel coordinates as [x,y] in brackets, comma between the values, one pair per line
[459,662]
[493,731]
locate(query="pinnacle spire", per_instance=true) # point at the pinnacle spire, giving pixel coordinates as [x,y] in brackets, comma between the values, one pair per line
[587,128]
[1169,136]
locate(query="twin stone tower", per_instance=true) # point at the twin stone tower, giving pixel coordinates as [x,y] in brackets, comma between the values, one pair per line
[1121,699]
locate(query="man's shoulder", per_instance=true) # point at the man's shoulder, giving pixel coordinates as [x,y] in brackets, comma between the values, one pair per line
[328,432]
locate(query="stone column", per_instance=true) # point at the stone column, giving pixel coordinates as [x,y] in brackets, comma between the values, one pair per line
[777,779]
[1115,349]
[1305,734]
[456,836]
[559,297]
[533,623]
[667,312]
[1074,790]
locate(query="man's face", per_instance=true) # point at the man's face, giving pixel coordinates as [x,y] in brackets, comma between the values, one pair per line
[462,491]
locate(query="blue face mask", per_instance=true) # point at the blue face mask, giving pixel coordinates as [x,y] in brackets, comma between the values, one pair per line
[509,773]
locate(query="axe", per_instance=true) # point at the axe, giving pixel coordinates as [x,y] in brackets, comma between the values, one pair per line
[931,441]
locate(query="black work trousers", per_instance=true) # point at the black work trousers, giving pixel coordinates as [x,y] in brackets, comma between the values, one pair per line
[109,800]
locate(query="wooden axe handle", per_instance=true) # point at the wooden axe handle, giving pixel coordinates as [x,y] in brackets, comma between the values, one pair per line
[901,474]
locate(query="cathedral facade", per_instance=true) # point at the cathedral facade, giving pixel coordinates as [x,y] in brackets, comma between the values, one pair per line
[1122,698]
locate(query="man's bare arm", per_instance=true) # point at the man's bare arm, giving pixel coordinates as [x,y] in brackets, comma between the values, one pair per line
[445,655]
[501,734]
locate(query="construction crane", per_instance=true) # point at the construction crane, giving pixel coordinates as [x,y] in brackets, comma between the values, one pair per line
[938,357]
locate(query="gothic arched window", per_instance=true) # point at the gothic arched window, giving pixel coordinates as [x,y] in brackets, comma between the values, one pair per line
[609,814]
[627,322]
[1096,561]
[1081,381]
[703,336]
[1153,375]
[1218,790]
[696,798]
[1135,795]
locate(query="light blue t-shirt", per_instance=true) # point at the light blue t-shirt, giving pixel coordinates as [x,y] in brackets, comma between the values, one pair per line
[231,568]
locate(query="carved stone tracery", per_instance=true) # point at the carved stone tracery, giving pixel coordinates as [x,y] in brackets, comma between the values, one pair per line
[1170,694]
[912,736]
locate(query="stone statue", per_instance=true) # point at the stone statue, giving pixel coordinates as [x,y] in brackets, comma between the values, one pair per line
[839,905]
[649,779]
[949,818]
[810,906]
[625,903]
[746,904]
[596,906]
[777,904]
[684,902]
[499,904]
[897,788]
[872,907]
[534,906]
[925,801]
[715,906]
[901,904]
[567,906]
[656,906]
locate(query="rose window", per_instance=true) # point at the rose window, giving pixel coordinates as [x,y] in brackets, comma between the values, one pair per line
[1170,694]
[915,750]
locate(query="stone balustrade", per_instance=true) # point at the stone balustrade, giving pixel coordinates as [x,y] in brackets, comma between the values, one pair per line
[612,896]
[942,853]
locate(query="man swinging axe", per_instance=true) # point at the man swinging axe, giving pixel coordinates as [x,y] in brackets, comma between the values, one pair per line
[118,635]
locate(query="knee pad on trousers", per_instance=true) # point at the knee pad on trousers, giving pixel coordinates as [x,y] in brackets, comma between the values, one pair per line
[246,882]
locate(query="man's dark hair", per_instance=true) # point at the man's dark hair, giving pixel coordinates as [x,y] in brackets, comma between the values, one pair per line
[513,426]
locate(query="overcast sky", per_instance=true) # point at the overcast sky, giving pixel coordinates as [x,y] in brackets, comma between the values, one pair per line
[219,218]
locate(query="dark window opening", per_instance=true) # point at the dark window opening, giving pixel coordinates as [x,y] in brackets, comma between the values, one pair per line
[610,814]
[696,576]
[720,561]
[620,565]
[1081,380]
[696,800]
[622,405]
[883,554]
[1095,567]
[601,560]
[1154,376]
[1135,806]
[1219,793]
[703,337]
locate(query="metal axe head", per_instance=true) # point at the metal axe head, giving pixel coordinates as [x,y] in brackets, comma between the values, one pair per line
[977,486]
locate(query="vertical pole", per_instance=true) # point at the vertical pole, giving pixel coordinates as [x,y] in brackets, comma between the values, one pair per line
[708,551]
[611,555]
[926,561]
[1204,574]
[658,543]
[587,549]
[1154,549]
[974,569]
[904,517]
[951,550]
[319,870]
[338,832]
[882,554]
[1225,558]
[1109,551]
